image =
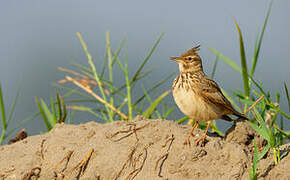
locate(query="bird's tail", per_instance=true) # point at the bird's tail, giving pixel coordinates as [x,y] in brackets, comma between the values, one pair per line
[240,115]
[236,113]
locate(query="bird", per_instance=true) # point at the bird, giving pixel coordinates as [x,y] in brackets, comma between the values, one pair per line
[198,96]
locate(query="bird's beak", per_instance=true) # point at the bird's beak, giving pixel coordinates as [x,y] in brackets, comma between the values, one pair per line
[177,59]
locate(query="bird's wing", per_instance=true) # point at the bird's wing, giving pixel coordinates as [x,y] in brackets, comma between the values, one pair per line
[211,92]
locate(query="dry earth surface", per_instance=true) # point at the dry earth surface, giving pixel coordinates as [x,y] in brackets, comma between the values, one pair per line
[137,149]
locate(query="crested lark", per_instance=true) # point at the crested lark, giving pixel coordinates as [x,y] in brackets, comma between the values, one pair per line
[197,96]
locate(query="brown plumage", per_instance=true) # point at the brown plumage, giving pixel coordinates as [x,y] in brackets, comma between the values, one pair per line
[198,96]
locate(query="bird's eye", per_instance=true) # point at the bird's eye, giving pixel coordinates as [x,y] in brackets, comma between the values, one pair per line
[189,58]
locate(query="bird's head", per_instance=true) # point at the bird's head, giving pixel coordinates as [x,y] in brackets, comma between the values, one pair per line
[189,61]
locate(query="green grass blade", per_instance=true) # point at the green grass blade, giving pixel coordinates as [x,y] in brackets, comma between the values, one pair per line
[251,172]
[22,122]
[105,62]
[44,117]
[168,112]
[256,155]
[145,73]
[128,85]
[253,175]
[260,120]
[146,58]
[153,106]
[183,119]
[158,84]
[58,105]
[243,62]
[124,69]
[71,117]
[63,108]
[259,131]
[150,102]
[3,116]
[53,111]
[230,62]
[47,112]
[110,67]
[283,132]
[284,114]
[12,109]
[96,76]
[214,67]
[116,54]
[147,95]
[71,91]
[258,47]
[260,88]
[264,128]
[83,108]
[83,68]
[81,100]
[287,95]
[141,75]
[265,150]
[2,108]
[123,103]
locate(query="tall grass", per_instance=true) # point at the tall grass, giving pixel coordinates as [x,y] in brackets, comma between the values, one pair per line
[6,120]
[114,101]
[264,115]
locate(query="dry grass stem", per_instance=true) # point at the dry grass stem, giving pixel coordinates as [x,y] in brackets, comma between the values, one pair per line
[72,72]
[83,79]
[254,104]
[89,90]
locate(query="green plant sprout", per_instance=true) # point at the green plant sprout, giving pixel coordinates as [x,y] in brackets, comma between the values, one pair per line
[5,121]
[57,114]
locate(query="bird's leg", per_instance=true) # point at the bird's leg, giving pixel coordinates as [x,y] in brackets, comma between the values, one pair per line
[202,139]
[190,133]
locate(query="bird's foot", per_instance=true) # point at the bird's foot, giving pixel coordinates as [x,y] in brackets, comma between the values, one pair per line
[187,141]
[201,141]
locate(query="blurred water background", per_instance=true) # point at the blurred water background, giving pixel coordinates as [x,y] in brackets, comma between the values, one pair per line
[39,36]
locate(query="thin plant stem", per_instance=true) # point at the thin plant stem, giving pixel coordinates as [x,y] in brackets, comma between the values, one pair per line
[90,61]
[255,103]
[3,115]
[88,90]
[130,112]
[258,44]
[110,65]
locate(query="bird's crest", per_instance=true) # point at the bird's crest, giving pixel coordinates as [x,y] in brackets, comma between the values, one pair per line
[191,52]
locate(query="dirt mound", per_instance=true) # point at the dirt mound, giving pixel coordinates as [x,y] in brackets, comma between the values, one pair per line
[138,149]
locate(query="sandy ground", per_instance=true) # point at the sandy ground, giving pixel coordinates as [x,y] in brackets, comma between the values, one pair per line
[138,149]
